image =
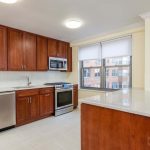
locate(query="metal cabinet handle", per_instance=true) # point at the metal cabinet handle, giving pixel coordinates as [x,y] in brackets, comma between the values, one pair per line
[47,95]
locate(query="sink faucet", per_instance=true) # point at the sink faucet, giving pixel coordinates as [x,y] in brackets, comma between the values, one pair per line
[28,81]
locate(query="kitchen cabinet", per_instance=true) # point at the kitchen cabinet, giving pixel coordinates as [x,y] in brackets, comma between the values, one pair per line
[75,95]
[22,110]
[52,47]
[140,132]
[27,106]
[15,50]
[21,51]
[42,53]
[62,49]
[29,48]
[109,129]
[46,102]
[24,51]
[34,107]
[57,48]
[69,59]
[3,48]
[34,104]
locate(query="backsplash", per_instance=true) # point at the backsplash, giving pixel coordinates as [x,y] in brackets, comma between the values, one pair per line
[11,79]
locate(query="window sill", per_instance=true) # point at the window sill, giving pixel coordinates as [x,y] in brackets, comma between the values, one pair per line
[98,90]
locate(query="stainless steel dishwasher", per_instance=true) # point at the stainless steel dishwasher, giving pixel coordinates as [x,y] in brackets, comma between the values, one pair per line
[7,110]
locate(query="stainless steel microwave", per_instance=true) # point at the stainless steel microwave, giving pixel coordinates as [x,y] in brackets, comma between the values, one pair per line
[57,63]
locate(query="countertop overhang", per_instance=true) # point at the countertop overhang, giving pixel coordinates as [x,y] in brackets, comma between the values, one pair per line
[136,101]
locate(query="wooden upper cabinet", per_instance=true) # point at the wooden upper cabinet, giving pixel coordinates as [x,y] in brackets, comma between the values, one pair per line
[29,48]
[24,51]
[15,50]
[3,48]
[62,49]
[52,47]
[69,59]
[42,53]
[57,48]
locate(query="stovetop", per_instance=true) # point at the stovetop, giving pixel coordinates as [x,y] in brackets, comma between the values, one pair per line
[57,83]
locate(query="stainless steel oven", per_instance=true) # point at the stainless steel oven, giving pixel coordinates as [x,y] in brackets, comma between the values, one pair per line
[63,99]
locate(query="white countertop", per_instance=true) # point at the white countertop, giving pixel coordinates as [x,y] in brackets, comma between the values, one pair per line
[136,101]
[17,88]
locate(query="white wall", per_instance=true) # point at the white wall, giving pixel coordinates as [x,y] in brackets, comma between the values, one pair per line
[10,79]
[138,53]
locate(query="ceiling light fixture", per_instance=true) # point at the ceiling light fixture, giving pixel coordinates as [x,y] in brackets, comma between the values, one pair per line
[73,24]
[8,1]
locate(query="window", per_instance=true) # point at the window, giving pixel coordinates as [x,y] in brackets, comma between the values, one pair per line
[91,73]
[120,68]
[115,85]
[109,67]
[86,73]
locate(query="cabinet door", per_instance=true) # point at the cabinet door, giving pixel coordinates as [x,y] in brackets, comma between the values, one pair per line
[105,129]
[52,47]
[69,59]
[3,48]
[75,96]
[34,107]
[46,104]
[62,49]
[42,55]
[22,110]
[29,47]
[15,50]
[140,129]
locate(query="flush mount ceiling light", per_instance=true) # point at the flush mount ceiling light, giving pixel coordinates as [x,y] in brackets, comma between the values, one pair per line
[8,1]
[73,24]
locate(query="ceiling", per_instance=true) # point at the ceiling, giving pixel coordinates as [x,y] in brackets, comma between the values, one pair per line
[46,17]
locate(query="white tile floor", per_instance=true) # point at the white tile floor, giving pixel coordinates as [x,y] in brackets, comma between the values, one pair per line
[53,133]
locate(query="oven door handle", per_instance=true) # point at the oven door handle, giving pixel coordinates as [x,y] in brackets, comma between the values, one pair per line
[63,90]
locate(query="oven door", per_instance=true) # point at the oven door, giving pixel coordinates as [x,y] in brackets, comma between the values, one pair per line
[63,98]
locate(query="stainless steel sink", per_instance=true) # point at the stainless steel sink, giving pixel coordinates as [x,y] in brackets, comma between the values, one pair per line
[24,87]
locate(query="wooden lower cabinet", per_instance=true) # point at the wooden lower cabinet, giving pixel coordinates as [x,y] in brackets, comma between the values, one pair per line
[34,107]
[75,95]
[47,103]
[22,110]
[140,131]
[107,129]
[34,104]
[27,109]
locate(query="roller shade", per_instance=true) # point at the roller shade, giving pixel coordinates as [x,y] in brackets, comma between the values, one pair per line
[117,48]
[90,52]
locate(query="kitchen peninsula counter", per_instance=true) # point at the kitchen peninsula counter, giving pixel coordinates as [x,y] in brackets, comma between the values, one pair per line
[116,121]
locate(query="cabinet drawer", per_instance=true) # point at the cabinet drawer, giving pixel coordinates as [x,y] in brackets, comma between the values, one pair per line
[46,90]
[23,93]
